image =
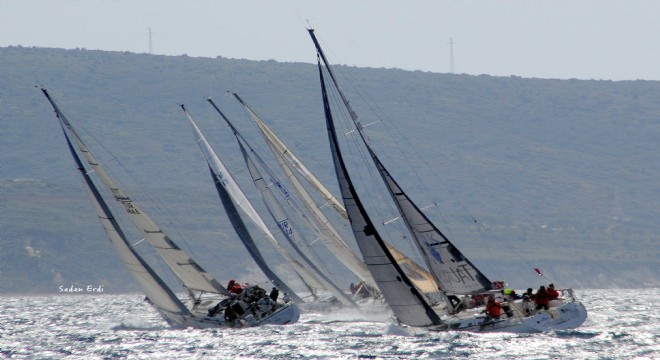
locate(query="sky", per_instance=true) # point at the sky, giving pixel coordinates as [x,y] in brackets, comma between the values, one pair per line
[564,39]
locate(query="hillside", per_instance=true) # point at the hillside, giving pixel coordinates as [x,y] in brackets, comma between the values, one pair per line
[559,174]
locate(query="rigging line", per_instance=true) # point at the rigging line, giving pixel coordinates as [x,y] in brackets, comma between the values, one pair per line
[380,114]
[401,136]
[302,243]
[146,195]
[288,198]
[366,164]
[479,226]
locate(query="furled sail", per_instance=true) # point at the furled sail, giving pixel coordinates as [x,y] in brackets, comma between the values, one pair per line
[160,296]
[407,303]
[451,270]
[188,272]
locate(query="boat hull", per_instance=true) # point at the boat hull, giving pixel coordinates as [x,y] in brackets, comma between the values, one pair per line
[287,314]
[567,316]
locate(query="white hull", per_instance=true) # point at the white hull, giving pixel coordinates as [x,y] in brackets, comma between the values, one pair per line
[567,316]
[287,314]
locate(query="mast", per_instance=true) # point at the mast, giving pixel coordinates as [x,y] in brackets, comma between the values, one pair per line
[285,157]
[330,237]
[239,198]
[279,215]
[188,272]
[406,302]
[451,270]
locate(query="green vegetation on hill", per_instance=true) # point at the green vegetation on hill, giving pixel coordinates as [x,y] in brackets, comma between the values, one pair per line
[560,174]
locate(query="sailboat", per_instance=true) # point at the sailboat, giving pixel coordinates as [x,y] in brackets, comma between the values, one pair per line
[230,193]
[304,260]
[366,291]
[457,278]
[209,304]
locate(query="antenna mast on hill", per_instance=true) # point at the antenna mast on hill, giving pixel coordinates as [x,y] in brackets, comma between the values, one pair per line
[451,55]
[151,49]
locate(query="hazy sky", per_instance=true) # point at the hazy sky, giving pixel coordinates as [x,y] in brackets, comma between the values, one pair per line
[594,39]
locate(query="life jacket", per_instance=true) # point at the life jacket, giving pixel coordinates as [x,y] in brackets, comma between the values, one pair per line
[552,294]
[236,289]
[541,298]
[493,308]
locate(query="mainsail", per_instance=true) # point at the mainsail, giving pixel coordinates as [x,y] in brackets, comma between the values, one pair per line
[289,231]
[160,296]
[452,271]
[189,273]
[422,279]
[333,241]
[313,275]
[407,303]
[243,234]
[225,179]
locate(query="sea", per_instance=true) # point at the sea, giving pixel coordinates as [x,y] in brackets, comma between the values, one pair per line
[622,324]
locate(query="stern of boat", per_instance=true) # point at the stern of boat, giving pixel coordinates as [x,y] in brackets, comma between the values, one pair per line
[287,314]
[568,316]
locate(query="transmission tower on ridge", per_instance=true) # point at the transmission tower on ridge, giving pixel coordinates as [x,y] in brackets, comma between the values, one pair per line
[151,49]
[451,55]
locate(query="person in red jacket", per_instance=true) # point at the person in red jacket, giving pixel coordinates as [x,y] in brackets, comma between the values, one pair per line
[493,308]
[234,288]
[541,298]
[552,293]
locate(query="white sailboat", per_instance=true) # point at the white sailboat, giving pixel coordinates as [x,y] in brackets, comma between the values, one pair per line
[309,259]
[209,303]
[366,290]
[454,274]
[230,194]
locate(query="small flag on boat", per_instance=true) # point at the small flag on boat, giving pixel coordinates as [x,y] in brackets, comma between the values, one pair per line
[538,271]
